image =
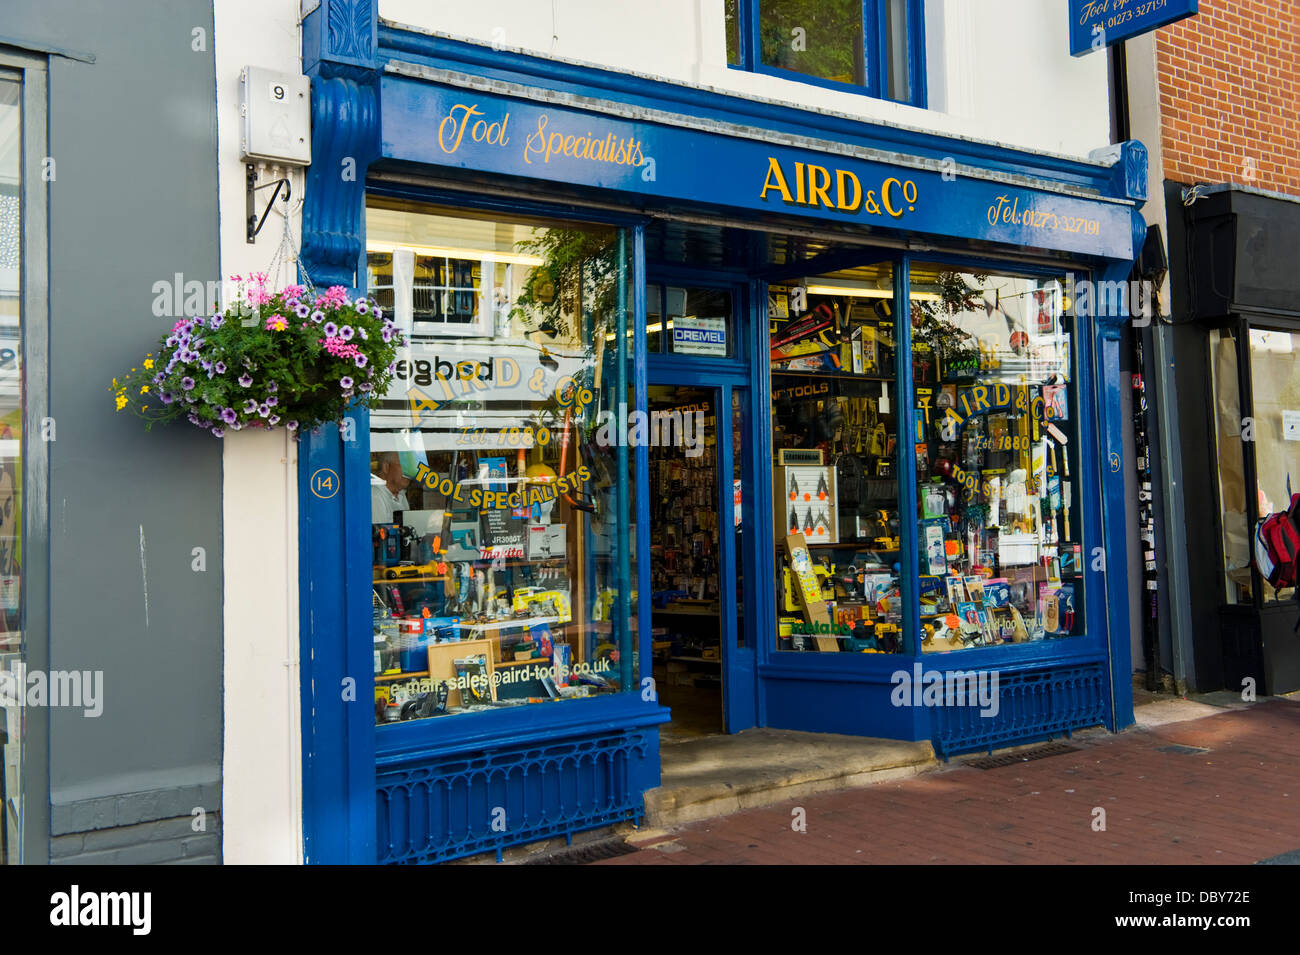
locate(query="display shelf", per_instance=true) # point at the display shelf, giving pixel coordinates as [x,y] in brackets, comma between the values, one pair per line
[473,560]
[389,677]
[510,624]
[831,375]
[685,611]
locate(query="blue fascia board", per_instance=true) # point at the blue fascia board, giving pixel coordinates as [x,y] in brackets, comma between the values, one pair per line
[515,725]
[513,67]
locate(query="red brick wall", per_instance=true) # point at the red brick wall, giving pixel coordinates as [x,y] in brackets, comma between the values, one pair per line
[1230,94]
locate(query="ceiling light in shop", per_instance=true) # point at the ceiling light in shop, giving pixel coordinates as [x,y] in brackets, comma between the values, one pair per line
[475,255]
[656,327]
[858,291]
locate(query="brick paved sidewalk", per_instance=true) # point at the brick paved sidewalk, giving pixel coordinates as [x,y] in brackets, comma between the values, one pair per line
[1237,803]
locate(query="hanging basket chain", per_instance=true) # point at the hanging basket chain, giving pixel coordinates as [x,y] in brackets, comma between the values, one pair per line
[288,252]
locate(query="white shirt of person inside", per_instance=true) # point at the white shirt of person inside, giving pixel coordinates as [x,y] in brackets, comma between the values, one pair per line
[388,489]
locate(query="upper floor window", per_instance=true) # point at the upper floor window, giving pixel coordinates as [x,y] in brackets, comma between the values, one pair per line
[875,46]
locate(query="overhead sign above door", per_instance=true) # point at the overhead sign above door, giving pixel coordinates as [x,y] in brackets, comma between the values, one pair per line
[1096,24]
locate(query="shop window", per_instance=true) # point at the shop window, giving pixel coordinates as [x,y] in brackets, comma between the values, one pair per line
[1275,392]
[1230,457]
[835,463]
[497,527]
[873,46]
[1000,526]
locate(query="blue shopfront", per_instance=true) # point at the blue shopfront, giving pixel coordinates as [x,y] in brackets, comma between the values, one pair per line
[660,456]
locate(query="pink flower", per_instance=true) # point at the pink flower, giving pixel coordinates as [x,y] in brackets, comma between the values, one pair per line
[276,323]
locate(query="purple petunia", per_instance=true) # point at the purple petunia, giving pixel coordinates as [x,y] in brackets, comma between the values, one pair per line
[330,329]
[220,367]
[318,316]
[187,383]
[273,420]
[387,334]
[345,382]
[379,312]
[217,321]
[362,306]
[302,311]
[362,332]
[361,361]
[271,387]
[291,425]
[219,431]
[193,418]
[272,401]
[250,406]
[346,333]
[263,410]
[245,380]
[365,386]
[229,416]
[165,397]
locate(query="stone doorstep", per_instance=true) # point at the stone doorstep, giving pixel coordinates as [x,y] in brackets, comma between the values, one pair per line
[719,775]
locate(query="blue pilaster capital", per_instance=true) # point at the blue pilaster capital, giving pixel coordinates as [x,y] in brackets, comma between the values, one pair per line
[1128,162]
[340,36]
[1133,164]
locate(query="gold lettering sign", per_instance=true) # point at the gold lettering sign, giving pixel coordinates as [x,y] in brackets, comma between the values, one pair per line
[817,186]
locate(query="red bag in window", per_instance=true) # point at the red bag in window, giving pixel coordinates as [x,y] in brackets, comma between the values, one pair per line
[1277,545]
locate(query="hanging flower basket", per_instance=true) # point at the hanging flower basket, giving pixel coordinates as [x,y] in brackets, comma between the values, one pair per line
[293,357]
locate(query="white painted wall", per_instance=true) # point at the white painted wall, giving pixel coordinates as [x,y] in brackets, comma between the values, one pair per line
[999,70]
[262,758]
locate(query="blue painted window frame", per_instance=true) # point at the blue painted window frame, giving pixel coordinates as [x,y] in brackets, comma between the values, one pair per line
[875,38]
[1089,646]
[339,812]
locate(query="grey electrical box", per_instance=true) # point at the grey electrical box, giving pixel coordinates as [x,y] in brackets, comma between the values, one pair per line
[276,112]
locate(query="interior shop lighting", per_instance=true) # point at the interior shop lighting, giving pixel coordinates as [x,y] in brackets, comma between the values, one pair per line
[656,327]
[481,255]
[829,287]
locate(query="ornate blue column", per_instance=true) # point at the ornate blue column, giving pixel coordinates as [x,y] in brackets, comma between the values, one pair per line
[339,802]
[340,55]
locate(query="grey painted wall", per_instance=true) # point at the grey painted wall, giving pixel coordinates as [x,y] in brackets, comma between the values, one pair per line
[133,136]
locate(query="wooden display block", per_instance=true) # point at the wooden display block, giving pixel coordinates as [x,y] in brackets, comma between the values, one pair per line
[442,667]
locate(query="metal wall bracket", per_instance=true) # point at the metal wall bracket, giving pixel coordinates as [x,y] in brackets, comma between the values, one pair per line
[250,203]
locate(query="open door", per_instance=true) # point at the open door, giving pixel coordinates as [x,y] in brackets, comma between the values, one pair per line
[697,558]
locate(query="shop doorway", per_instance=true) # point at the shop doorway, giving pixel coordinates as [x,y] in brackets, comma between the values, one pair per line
[696,563]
